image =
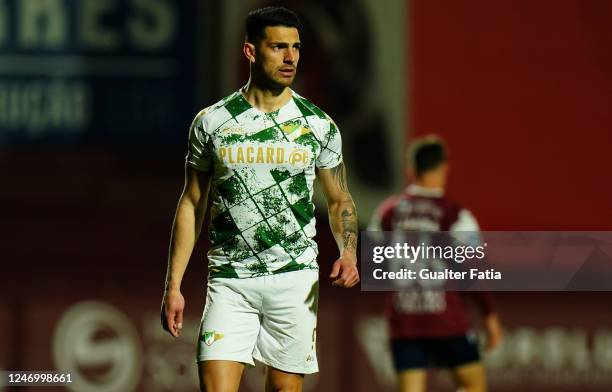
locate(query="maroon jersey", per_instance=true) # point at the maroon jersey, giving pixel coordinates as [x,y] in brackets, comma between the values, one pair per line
[427,313]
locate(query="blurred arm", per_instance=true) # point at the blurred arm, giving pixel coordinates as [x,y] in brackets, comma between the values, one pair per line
[468,230]
[492,324]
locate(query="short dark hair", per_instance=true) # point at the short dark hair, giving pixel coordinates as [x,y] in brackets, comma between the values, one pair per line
[259,19]
[426,154]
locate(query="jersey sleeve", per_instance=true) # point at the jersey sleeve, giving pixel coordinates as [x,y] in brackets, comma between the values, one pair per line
[331,150]
[383,215]
[199,153]
[380,220]
[466,228]
[465,222]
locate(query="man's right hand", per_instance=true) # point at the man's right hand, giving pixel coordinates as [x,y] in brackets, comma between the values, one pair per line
[172,312]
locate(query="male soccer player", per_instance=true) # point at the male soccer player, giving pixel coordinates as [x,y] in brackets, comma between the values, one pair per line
[257,153]
[429,327]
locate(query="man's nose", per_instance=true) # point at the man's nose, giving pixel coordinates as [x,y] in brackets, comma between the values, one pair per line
[290,56]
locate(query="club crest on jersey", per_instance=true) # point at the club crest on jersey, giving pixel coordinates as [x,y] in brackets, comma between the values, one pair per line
[295,129]
[209,337]
[232,130]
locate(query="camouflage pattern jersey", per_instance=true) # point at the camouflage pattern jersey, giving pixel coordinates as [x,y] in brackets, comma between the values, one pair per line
[263,169]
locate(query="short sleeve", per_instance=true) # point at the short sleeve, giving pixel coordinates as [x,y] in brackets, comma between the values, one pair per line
[331,150]
[375,226]
[382,216]
[465,222]
[466,229]
[199,154]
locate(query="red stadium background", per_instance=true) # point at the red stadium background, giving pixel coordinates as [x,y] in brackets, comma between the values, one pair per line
[522,92]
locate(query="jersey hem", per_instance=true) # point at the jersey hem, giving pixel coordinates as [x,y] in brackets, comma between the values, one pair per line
[225,275]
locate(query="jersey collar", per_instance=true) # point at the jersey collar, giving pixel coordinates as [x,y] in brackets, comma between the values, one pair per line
[418,190]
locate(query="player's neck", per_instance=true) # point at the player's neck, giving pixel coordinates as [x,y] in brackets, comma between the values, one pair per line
[433,183]
[428,187]
[434,179]
[265,99]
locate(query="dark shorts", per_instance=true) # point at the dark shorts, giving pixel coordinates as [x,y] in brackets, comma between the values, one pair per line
[434,352]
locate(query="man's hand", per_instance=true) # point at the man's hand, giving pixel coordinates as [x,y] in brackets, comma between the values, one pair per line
[494,331]
[344,272]
[172,312]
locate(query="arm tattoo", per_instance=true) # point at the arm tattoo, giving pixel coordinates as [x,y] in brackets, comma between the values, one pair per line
[343,217]
[339,173]
[349,229]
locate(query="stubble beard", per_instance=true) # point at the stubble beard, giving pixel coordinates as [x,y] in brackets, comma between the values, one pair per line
[279,82]
[272,80]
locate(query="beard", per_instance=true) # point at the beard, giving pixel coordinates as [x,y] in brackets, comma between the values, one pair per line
[273,79]
[283,82]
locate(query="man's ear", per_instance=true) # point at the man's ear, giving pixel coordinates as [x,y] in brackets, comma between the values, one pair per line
[249,51]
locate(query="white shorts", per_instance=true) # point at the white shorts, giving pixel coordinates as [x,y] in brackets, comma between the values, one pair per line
[272,319]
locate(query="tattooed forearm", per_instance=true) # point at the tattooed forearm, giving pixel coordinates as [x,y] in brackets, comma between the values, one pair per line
[341,208]
[339,173]
[349,229]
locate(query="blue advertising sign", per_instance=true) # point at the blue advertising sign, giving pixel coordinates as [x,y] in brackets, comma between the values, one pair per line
[82,72]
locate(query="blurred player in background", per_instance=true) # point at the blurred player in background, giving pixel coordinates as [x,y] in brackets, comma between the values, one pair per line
[429,327]
[257,153]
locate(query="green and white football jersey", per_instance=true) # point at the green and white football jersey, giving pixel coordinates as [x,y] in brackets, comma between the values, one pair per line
[263,169]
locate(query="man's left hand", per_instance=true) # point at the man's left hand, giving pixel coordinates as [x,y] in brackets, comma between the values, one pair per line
[494,331]
[344,272]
